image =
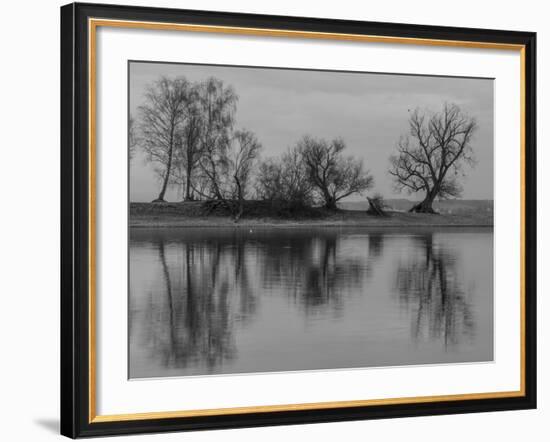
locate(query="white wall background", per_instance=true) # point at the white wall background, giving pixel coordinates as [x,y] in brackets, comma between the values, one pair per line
[29,220]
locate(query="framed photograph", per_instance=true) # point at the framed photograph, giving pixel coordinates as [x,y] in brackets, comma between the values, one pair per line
[274,220]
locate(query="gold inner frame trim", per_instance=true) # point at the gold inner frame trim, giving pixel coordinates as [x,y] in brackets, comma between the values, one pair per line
[93,24]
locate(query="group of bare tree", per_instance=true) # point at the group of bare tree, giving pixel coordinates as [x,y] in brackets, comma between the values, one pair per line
[187,131]
[313,171]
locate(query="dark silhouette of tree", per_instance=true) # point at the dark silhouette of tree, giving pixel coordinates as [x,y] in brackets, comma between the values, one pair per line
[284,179]
[331,174]
[217,105]
[242,157]
[161,117]
[431,157]
[132,137]
[188,147]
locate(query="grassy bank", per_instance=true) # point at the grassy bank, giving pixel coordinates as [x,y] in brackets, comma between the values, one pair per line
[258,213]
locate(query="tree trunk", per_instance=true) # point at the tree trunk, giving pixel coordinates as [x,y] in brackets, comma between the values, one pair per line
[425,206]
[160,198]
[240,196]
[188,196]
[330,203]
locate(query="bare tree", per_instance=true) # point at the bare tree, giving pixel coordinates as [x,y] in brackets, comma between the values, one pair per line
[217,105]
[132,137]
[284,179]
[188,149]
[332,175]
[242,157]
[161,116]
[245,151]
[269,179]
[431,158]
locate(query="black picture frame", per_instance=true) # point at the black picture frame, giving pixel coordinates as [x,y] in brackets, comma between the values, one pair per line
[75,220]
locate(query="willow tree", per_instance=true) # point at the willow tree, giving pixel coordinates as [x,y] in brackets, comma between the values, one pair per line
[333,175]
[161,116]
[431,158]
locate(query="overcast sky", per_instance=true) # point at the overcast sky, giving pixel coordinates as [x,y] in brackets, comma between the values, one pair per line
[369,111]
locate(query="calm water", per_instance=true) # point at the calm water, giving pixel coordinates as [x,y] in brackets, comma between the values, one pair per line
[209,301]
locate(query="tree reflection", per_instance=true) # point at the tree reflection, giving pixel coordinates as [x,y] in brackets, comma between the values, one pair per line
[429,287]
[209,285]
[194,325]
[311,269]
[376,245]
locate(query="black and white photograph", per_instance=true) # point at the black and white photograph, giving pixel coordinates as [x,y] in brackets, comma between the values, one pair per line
[288,219]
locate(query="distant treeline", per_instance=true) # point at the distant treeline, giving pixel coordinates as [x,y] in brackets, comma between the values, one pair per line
[187,132]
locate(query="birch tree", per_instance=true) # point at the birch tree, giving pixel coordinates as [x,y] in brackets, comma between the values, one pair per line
[217,105]
[161,117]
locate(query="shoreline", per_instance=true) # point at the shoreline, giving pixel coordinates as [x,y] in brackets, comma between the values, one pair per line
[378,223]
[304,226]
[192,215]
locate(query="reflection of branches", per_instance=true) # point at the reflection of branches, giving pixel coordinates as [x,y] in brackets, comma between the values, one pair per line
[208,285]
[247,304]
[196,328]
[428,284]
[310,269]
[206,331]
[376,244]
[190,323]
